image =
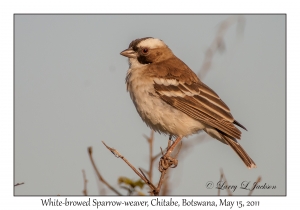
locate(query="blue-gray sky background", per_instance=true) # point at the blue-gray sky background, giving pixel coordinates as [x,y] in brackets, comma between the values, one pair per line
[70,94]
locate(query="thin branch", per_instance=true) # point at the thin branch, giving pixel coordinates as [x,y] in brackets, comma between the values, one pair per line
[141,170]
[84,183]
[258,180]
[226,183]
[218,42]
[118,155]
[151,158]
[148,181]
[161,181]
[167,161]
[166,185]
[162,184]
[19,184]
[98,173]
[159,154]
[221,178]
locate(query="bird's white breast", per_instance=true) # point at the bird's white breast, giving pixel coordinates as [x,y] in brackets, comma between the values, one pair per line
[156,113]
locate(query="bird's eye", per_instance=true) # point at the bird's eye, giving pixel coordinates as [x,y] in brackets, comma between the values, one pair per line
[145,50]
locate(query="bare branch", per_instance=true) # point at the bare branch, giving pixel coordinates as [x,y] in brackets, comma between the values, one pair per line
[258,180]
[226,183]
[218,42]
[151,158]
[157,156]
[166,185]
[166,161]
[98,173]
[118,155]
[161,180]
[221,178]
[84,183]
[19,184]
[141,170]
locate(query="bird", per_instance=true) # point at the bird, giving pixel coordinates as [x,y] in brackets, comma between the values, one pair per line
[172,100]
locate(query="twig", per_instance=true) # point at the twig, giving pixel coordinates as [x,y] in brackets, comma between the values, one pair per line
[258,180]
[226,183]
[148,181]
[19,184]
[184,151]
[167,161]
[118,155]
[166,185]
[228,190]
[151,158]
[218,43]
[84,183]
[159,154]
[221,178]
[98,173]
[161,180]
[162,185]
[165,188]
[141,170]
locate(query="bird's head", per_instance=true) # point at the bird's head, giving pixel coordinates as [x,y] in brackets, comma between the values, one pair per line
[146,51]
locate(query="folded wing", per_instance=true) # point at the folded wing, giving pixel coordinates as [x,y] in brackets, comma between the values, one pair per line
[199,102]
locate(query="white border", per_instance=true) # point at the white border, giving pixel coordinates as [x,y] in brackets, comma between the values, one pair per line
[8,8]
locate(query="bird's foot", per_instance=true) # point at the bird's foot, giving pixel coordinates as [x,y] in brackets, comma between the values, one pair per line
[166,161]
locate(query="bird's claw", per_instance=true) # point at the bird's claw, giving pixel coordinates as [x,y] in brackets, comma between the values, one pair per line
[167,162]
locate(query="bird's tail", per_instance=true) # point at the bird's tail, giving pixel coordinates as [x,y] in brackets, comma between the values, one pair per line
[240,151]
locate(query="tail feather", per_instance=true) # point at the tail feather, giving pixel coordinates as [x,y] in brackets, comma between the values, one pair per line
[240,151]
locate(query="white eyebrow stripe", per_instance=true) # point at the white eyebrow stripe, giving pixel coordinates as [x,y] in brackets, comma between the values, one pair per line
[151,43]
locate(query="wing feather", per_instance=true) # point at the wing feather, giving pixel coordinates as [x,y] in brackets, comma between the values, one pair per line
[199,102]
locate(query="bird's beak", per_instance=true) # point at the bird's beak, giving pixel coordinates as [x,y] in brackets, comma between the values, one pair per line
[128,53]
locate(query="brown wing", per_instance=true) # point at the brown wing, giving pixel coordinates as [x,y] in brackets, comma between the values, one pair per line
[172,68]
[199,102]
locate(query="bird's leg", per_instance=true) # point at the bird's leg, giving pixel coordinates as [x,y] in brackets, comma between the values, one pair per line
[166,160]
